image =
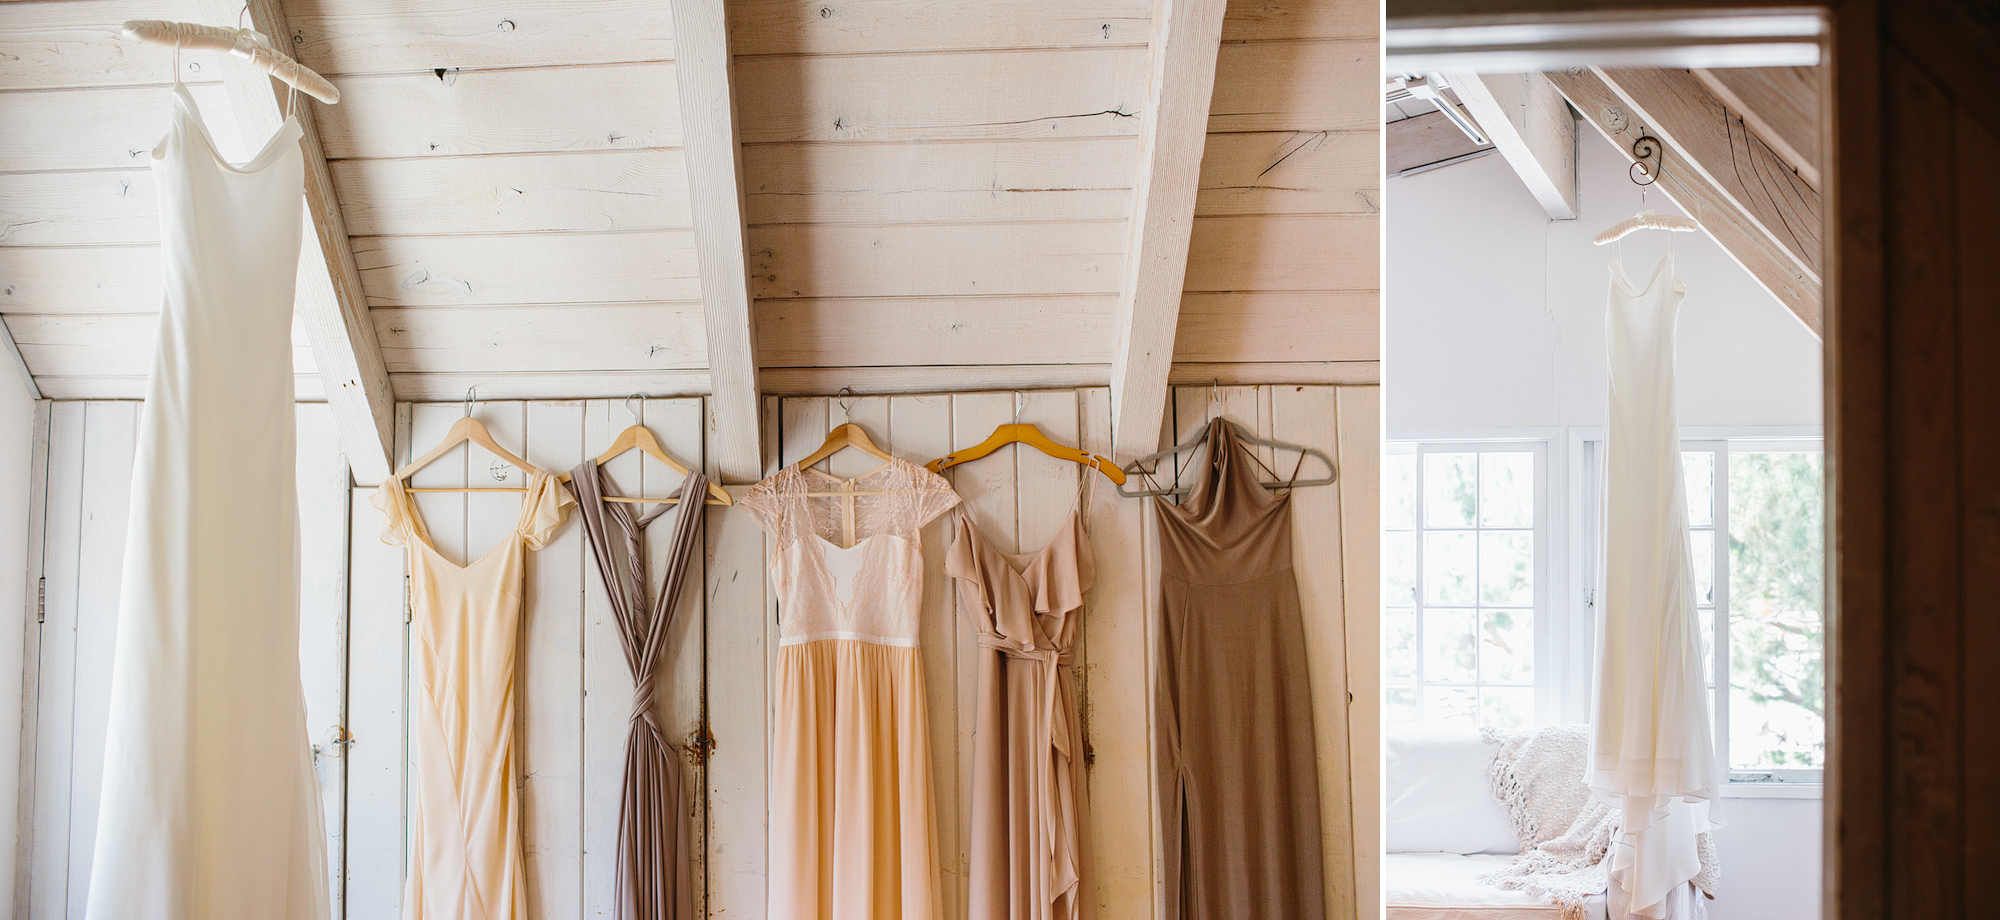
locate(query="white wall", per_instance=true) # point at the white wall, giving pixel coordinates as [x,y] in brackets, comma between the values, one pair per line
[1495,314]
[1495,320]
[17,425]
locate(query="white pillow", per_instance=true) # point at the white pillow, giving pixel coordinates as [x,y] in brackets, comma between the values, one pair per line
[1440,798]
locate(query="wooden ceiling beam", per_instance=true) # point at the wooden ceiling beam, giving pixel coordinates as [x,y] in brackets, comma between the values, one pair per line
[330,302]
[1760,211]
[20,363]
[715,194]
[1780,104]
[1529,122]
[1187,35]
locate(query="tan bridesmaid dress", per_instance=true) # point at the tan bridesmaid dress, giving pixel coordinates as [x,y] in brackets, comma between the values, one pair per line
[1239,791]
[852,810]
[1028,837]
[465,814]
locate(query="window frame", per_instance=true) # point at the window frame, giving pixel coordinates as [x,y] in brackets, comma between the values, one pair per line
[1546,677]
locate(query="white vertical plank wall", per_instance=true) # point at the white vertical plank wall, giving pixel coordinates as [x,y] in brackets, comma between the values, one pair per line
[573,689]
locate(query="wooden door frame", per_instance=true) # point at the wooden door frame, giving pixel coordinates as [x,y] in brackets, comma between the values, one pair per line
[1874,842]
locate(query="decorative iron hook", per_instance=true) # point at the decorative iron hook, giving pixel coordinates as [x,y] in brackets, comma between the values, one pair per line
[1647,147]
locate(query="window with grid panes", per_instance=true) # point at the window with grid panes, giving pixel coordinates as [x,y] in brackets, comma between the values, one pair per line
[1756,526]
[1461,553]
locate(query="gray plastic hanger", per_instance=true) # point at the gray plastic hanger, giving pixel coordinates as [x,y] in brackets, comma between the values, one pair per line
[1143,465]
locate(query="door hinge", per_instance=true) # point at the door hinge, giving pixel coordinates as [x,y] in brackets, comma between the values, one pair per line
[41,598]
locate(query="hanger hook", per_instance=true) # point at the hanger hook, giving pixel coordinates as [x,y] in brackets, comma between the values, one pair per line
[1017,408]
[637,419]
[845,399]
[469,391]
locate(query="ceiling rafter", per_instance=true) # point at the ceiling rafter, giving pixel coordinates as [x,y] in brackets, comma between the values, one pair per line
[1187,36]
[1761,211]
[1530,124]
[330,301]
[715,195]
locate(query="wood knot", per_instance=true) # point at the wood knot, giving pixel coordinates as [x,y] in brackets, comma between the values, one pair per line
[506,25]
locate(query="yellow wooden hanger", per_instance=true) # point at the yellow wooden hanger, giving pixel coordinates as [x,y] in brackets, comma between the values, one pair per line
[467,430]
[641,437]
[1027,433]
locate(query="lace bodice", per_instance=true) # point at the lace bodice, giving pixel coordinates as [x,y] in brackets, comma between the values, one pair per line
[849,567]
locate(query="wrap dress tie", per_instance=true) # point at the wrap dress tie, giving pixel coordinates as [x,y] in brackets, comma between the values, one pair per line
[655,881]
[1028,791]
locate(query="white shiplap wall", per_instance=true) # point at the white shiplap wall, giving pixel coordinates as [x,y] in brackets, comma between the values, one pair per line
[573,690]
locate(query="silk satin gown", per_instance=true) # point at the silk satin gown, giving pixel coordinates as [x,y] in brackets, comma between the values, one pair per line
[209,806]
[1652,753]
[852,809]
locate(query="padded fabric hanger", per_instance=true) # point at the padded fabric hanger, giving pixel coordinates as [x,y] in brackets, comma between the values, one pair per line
[244,43]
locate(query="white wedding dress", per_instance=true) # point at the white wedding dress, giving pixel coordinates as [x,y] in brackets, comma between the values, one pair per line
[210,808]
[1652,753]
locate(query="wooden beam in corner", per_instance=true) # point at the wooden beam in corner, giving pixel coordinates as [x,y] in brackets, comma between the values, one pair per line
[1760,211]
[1187,34]
[330,301]
[1529,122]
[715,171]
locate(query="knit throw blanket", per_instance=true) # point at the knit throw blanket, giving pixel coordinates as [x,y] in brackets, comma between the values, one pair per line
[1566,831]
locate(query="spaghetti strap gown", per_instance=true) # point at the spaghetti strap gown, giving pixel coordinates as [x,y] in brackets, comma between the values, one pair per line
[209,806]
[1652,754]
[465,624]
[853,813]
[1239,802]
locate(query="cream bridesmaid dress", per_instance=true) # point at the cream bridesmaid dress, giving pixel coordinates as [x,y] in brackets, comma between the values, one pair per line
[465,623]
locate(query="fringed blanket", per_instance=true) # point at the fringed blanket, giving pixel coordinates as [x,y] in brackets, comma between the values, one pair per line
[1566,831]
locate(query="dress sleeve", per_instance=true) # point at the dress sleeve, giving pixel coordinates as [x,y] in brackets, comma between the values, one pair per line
[551,507]
[765,505]
[932,495]
[394,505]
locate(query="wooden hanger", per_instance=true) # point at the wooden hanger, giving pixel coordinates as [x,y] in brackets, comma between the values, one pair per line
[244,43]
[467,430]
[844,436]
[1144,464]
[1027,433]
[1646,220]
[640,437]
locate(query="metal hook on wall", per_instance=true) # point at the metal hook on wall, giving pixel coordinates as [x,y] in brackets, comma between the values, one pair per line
[469,391]
[845,400]
[1646,148]
[637,417]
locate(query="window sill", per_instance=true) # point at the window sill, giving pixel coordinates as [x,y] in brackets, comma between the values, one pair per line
[1772,790]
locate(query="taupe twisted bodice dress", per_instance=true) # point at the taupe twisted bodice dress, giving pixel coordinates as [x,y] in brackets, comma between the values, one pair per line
[1239,794]
[655,879]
